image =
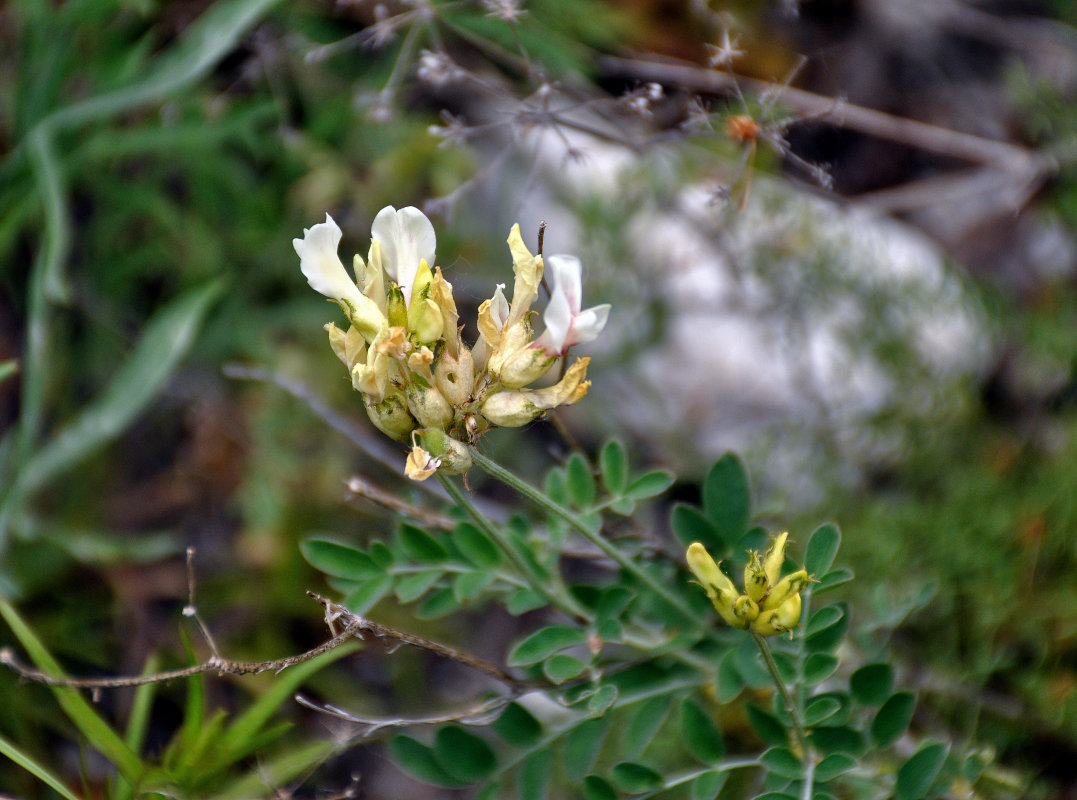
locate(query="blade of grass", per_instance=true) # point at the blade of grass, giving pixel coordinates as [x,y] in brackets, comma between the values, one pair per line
[30,765]
[98,733]
[139,721]
[276,771]
[167,336]
[247,725]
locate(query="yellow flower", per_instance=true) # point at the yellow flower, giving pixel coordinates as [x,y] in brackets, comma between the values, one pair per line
[769,604]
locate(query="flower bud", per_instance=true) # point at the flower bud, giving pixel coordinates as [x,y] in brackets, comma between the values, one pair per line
[420,465]
[429,406]
[391,416]
[509,409]
[779,620]
[774,558]
[745,609]
[397,307]
[455,456]
[524,366]
[720,590]
[788,586]
[755,578]
[455,376]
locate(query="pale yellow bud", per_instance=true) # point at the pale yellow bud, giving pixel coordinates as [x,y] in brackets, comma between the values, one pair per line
[755,579]
[779,620]
[745,609]
[790,585]
[429,406]
[455,456]
[441,294]
[391,416]
[397,307]
[720,590]
[528,271]
[775,557]
[509,409]
[424,315]
[525,365]
[455,376]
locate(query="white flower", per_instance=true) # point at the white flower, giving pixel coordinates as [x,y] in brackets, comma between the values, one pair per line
[499,307]
[325,273]
[566,325]
[321,265]
[406,238]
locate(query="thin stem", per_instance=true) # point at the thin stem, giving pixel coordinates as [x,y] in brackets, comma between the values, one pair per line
[793,708]
[539,498]
[549,586]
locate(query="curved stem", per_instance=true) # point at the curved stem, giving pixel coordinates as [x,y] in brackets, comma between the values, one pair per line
[495,470]
[549,586]
[793,708]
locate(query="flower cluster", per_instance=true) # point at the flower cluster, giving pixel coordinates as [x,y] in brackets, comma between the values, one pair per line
[403,346]
[769,604]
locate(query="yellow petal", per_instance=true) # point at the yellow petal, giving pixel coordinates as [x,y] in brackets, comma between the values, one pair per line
[775,557]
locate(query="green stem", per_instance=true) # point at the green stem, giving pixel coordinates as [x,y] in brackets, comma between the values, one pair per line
[793,709]
[539,498]
[549,586]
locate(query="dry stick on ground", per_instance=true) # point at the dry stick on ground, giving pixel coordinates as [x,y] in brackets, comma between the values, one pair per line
[1026,169]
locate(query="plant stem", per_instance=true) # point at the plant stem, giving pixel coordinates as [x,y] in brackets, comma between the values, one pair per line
[793,709]
[539,498]
[549,586]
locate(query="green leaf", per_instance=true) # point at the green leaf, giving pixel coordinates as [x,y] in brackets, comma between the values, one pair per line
[628,776]
[707,785]
[341,560]
[517,726]
[599,702]
[164,342]
[643,726]
[871,685]
[463,755]
[581,483]
[832,580]
[381,555]
[416,759]
[520,601]
[892,720]
[819,667]
[822,547]
[613,602]
[596,787]
[467,586]
[730,682]
[476,546]
[421,546]
[692,525]
[916,775]
[838,739]
[774,796]
[11,751]
[834,765]
[781,761]
[533,779]
[411,587]
[98,733]
[649,484]
[823,618]
[828,629]
[820,710]
[582,745]
[613,464]
[543,643]
[623,506]
[727,499]
[701,734]
[770,730]
[556,486]
[369,593]
[438,604]
[561,667]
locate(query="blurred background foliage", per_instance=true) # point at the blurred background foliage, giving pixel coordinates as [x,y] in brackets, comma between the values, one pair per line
[158,157]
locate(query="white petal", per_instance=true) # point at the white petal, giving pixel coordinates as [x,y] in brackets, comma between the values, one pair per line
[406,237]
[499,307]
[558,318]
[321,265]
[565,272]
[588,324]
